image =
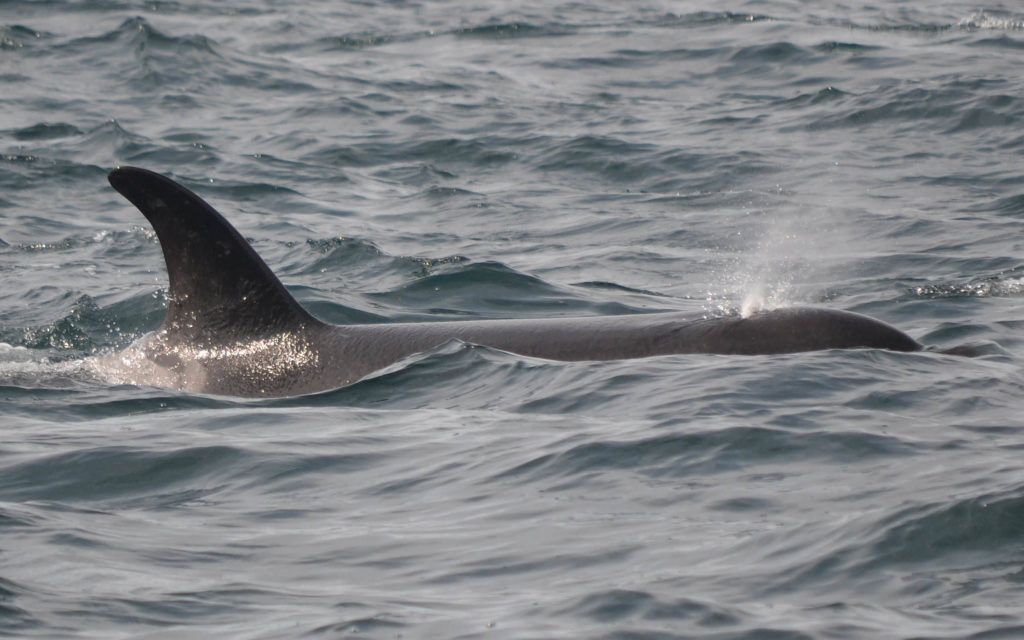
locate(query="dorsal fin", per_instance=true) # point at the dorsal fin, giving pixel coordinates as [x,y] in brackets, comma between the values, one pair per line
[220,289]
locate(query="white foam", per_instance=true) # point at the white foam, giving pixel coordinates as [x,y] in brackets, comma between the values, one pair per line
[984,288]
[31,368]
[984,20]
[12,353]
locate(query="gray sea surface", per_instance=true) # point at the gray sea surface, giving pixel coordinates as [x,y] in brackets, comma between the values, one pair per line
[415,160]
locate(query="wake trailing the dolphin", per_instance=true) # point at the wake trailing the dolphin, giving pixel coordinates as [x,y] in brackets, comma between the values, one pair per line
[233,329]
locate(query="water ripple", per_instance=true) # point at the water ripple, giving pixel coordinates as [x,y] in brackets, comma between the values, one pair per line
[421,161]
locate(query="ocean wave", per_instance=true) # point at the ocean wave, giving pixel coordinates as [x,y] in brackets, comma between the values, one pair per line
[631,605]
[494,161]
[16,36]
[1000,286]
[508,30]
[708,452]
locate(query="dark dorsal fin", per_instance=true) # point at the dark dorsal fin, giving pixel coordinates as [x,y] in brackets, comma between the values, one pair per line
[220,289]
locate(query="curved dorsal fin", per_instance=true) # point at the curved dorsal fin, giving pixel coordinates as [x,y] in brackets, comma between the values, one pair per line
[220,289]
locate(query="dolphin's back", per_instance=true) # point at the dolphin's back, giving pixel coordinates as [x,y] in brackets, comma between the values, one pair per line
[790,330]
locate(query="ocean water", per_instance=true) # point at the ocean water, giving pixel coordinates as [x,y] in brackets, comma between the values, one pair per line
[406,160]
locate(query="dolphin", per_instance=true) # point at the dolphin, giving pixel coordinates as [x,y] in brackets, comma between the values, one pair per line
[233,329]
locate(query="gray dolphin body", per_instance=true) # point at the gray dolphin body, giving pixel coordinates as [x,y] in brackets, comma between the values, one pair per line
[233,329]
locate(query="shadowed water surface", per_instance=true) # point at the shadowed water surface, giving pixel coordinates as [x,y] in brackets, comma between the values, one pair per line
[430,161]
